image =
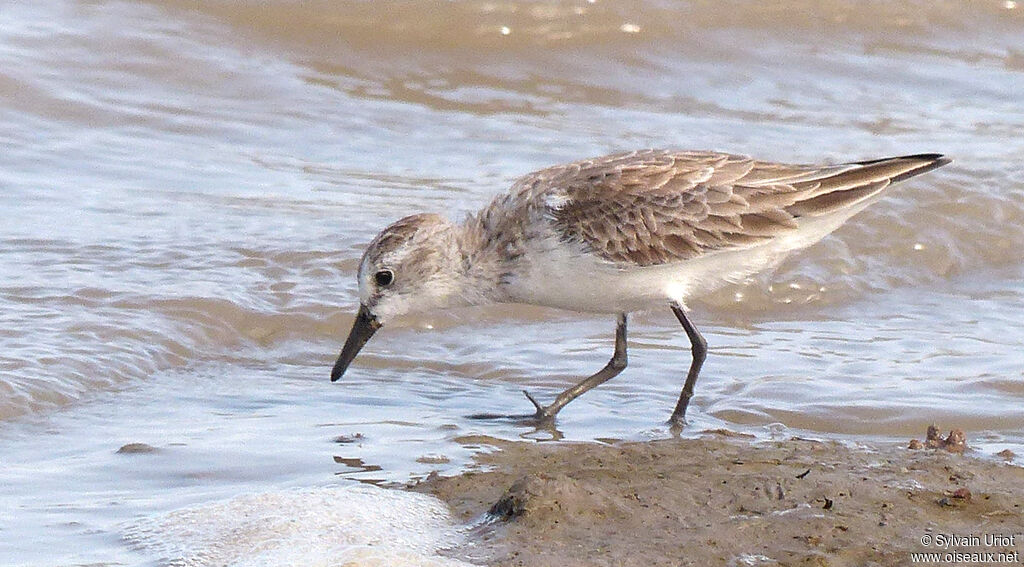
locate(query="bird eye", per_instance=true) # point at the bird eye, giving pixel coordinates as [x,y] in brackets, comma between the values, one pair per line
[384,278]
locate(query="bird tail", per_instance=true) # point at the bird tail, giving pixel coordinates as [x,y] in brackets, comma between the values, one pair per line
[856,182]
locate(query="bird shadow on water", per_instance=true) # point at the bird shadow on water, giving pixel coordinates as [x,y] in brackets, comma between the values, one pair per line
[545,428]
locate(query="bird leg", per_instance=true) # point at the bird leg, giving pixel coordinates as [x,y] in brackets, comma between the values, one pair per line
[610,370]
[699,348]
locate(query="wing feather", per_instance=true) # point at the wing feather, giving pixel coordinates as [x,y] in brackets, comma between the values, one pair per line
[656,206]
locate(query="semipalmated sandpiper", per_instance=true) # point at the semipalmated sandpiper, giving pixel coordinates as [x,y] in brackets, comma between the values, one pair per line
[616,234]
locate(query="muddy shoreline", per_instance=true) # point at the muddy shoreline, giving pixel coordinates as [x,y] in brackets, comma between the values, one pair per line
[724,499]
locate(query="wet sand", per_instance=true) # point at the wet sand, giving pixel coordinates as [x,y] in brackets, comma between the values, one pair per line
[724,499]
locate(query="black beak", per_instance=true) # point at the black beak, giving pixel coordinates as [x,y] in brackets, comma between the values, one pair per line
[364,328]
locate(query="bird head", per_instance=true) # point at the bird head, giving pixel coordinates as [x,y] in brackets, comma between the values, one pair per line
[411,266]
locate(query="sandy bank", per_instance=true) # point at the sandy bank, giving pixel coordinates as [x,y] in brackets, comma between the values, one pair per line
[725,500]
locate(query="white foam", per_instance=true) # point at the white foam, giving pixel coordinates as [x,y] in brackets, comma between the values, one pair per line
[335,526]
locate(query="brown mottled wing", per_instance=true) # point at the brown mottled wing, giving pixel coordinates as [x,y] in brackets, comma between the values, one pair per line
[655,207]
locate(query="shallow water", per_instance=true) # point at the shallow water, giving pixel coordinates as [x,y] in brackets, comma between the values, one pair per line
[186,192]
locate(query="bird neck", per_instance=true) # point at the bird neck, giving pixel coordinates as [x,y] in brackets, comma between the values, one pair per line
[484,261]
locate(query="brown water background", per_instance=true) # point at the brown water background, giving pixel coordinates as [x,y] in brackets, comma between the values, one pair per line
[186,188]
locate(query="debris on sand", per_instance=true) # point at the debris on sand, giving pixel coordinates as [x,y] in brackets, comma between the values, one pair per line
[963,493]
[957,498]
[955,442]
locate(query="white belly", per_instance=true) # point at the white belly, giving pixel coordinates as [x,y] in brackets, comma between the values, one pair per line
[586,283]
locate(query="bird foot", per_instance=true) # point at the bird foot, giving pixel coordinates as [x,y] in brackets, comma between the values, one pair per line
[543,413]
[677,423]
